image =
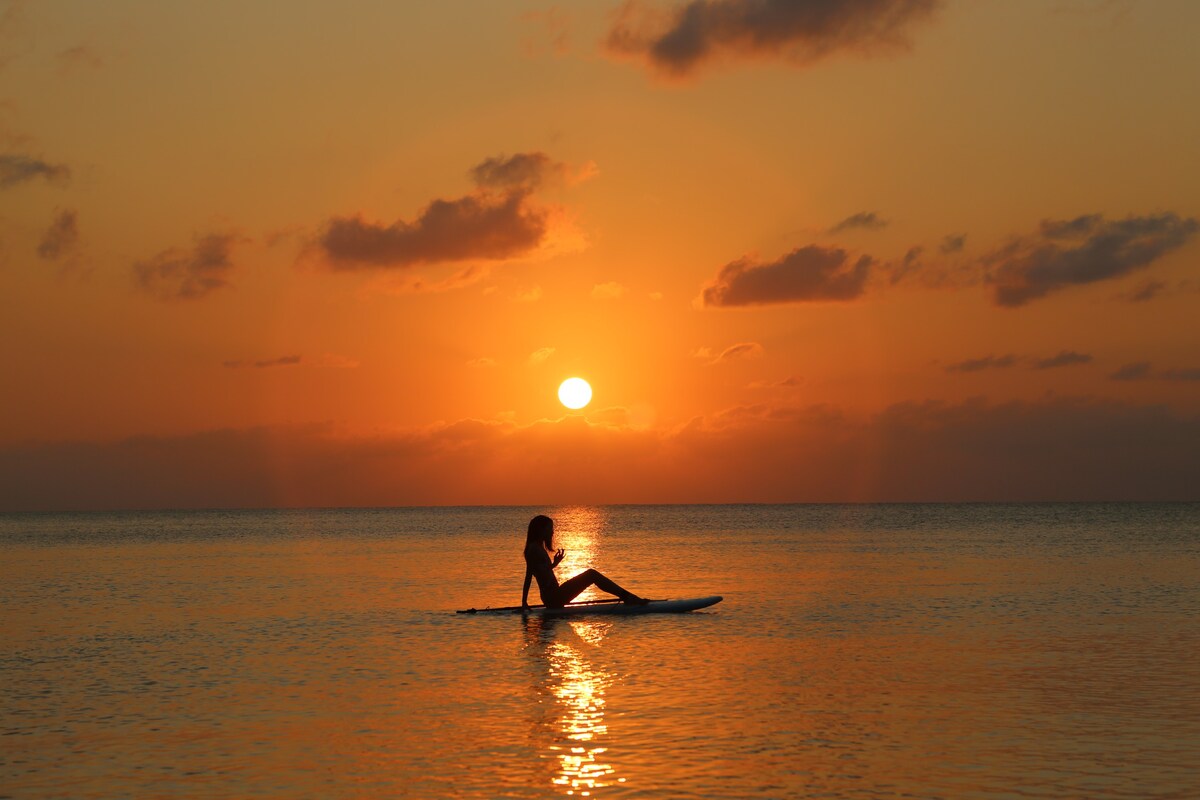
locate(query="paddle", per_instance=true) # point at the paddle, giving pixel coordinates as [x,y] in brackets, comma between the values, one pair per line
[568,605]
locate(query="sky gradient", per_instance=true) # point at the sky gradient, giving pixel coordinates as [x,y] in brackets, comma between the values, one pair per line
[897,250]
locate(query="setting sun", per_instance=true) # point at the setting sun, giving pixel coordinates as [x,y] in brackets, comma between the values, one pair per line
[575,393]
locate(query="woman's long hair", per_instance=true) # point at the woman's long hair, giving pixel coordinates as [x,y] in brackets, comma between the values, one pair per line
[541,534]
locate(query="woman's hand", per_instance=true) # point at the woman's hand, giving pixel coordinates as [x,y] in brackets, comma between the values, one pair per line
[558,557]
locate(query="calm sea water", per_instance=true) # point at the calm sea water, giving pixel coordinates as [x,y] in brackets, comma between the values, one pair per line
[861,651]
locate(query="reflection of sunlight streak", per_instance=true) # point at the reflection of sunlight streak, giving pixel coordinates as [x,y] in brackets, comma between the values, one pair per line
[579,690]
[578,530]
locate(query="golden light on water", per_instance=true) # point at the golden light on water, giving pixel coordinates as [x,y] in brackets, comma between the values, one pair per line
[579,690]
[578,530]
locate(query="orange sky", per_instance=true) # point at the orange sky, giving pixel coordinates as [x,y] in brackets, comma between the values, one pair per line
[803,251]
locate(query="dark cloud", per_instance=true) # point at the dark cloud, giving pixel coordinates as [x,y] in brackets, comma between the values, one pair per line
[1136,371]
[1084,250]
[483,226]
[867,220]
[911,264]
[679,40]
[1055,449]
[61,237]
[282,361]
[980,364]
[954,243]
[179,274]
[1191,374]
[1066,358]
[521,171]
[806,274]
[16,169]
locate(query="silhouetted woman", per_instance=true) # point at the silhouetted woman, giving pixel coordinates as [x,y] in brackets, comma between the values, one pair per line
[540,560]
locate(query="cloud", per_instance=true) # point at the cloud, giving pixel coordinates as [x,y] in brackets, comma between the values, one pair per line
[1065,358]
[733,353]
[608,291]
[401,284]
[1140,370]
[481,362]
[980,364]
[180,274]
[540,355]
[16,169]
[790,382]
[954,243]
[1136,371]
[909,265]
[61,237]
[1147,291]
[498,220]
[1055,449]
[1083,250]
[865,220]
[807,274]
[524,171]
[482,226]
[282,361]
[679,40]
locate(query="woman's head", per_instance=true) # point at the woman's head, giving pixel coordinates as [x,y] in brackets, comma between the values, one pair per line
[541,531]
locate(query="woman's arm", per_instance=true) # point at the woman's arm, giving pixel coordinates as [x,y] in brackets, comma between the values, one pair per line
[525,588]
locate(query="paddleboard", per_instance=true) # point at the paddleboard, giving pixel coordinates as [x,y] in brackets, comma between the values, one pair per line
[607,607]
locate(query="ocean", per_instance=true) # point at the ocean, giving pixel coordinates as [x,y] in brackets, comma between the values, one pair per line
[907,651]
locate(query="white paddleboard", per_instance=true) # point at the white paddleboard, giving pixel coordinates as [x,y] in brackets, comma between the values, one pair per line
[653,607]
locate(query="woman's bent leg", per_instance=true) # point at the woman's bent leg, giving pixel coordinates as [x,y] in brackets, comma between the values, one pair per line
[571,588]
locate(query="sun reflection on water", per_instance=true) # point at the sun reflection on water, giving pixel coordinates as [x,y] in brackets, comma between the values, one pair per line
[579,531]
[578,686]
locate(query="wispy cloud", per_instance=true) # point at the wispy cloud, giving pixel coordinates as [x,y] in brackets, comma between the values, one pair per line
[863,220]
[1087,249]
[188,274]
[679,40]
[16,169]
[61,237]
[1065,358]
[807,274]
[608,291]
[980,364]
[953,243]
[540,355]
[1142,370]
[790,382]
[281,361]
[1136,371]
[734,352]
[519,171]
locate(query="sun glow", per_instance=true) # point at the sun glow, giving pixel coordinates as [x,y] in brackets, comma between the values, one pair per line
[575,393]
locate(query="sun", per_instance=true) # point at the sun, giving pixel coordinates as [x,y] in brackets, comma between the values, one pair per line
[575,393]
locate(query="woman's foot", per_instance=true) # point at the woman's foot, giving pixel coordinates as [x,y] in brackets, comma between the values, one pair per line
[634,600]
